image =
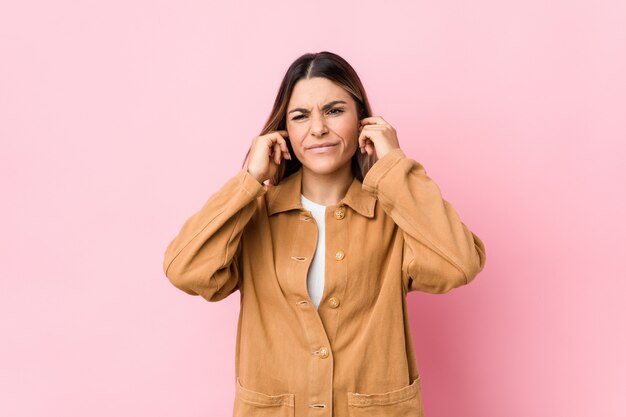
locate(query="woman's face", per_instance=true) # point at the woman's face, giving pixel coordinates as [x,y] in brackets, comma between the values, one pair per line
[323,125]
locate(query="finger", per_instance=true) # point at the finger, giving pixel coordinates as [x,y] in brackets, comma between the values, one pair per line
[280,146]
[364,137]
[277,153]
[272,139]
[269,142]
[367,147]
[376,127]
[283,144]
[372,120]
[363,141]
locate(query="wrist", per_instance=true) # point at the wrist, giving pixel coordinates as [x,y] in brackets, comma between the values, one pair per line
[256,177]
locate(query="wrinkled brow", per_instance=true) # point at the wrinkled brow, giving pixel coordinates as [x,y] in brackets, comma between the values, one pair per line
[325,107]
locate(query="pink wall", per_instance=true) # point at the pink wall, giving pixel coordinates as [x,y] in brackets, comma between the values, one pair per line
[118,119]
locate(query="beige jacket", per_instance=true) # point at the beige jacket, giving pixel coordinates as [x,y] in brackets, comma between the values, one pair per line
[353,356]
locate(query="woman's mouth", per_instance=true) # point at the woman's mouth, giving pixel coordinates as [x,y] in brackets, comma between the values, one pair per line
[325,147]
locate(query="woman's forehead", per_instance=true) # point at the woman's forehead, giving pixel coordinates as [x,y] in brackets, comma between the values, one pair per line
[317,92]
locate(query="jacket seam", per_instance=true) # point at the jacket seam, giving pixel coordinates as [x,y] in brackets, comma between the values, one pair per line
[224,264]
[408,268]
[451,259]
[192,239]
[242,187]
[396,157]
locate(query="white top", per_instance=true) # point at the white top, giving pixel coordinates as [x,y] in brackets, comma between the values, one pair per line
[315,277]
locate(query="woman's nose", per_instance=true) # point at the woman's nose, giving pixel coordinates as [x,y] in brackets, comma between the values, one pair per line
[318,125]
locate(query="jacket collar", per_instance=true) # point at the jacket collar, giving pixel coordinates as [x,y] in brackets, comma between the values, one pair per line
[286,196]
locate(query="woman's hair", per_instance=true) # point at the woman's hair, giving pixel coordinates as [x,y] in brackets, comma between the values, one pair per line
[321,64]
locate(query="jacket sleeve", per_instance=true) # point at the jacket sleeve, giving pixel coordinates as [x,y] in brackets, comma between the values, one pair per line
[440,252]
[205,257]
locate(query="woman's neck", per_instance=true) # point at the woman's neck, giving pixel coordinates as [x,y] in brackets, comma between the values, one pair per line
[326,189]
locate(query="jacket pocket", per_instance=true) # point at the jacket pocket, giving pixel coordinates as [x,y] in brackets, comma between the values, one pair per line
[249,403]
[403,402]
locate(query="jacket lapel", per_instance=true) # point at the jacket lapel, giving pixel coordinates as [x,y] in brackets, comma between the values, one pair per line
[286,196]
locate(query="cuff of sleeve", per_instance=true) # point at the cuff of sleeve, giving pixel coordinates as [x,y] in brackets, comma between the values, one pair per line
[380,169]
[250,184]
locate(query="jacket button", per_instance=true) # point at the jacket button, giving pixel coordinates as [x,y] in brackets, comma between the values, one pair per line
[333,302]
[340,214]
[323,353]
[340,255]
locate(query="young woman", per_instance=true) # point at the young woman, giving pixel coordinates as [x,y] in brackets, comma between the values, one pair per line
[324,231]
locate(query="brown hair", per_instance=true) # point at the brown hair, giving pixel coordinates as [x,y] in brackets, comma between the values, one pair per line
[321,64]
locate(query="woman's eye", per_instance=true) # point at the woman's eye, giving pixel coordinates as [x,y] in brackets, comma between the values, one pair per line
[331,111]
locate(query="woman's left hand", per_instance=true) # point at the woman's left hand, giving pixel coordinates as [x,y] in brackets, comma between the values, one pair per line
[377,136]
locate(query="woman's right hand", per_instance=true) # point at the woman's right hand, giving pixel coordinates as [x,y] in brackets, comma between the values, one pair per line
[266,154]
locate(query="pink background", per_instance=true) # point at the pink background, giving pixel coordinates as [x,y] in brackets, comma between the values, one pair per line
[118,119]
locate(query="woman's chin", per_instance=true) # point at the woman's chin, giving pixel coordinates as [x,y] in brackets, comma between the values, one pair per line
[326,167]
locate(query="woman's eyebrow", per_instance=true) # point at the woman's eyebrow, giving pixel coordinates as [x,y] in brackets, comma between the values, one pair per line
[326,106]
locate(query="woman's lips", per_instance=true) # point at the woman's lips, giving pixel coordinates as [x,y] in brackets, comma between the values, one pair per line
[322,149]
